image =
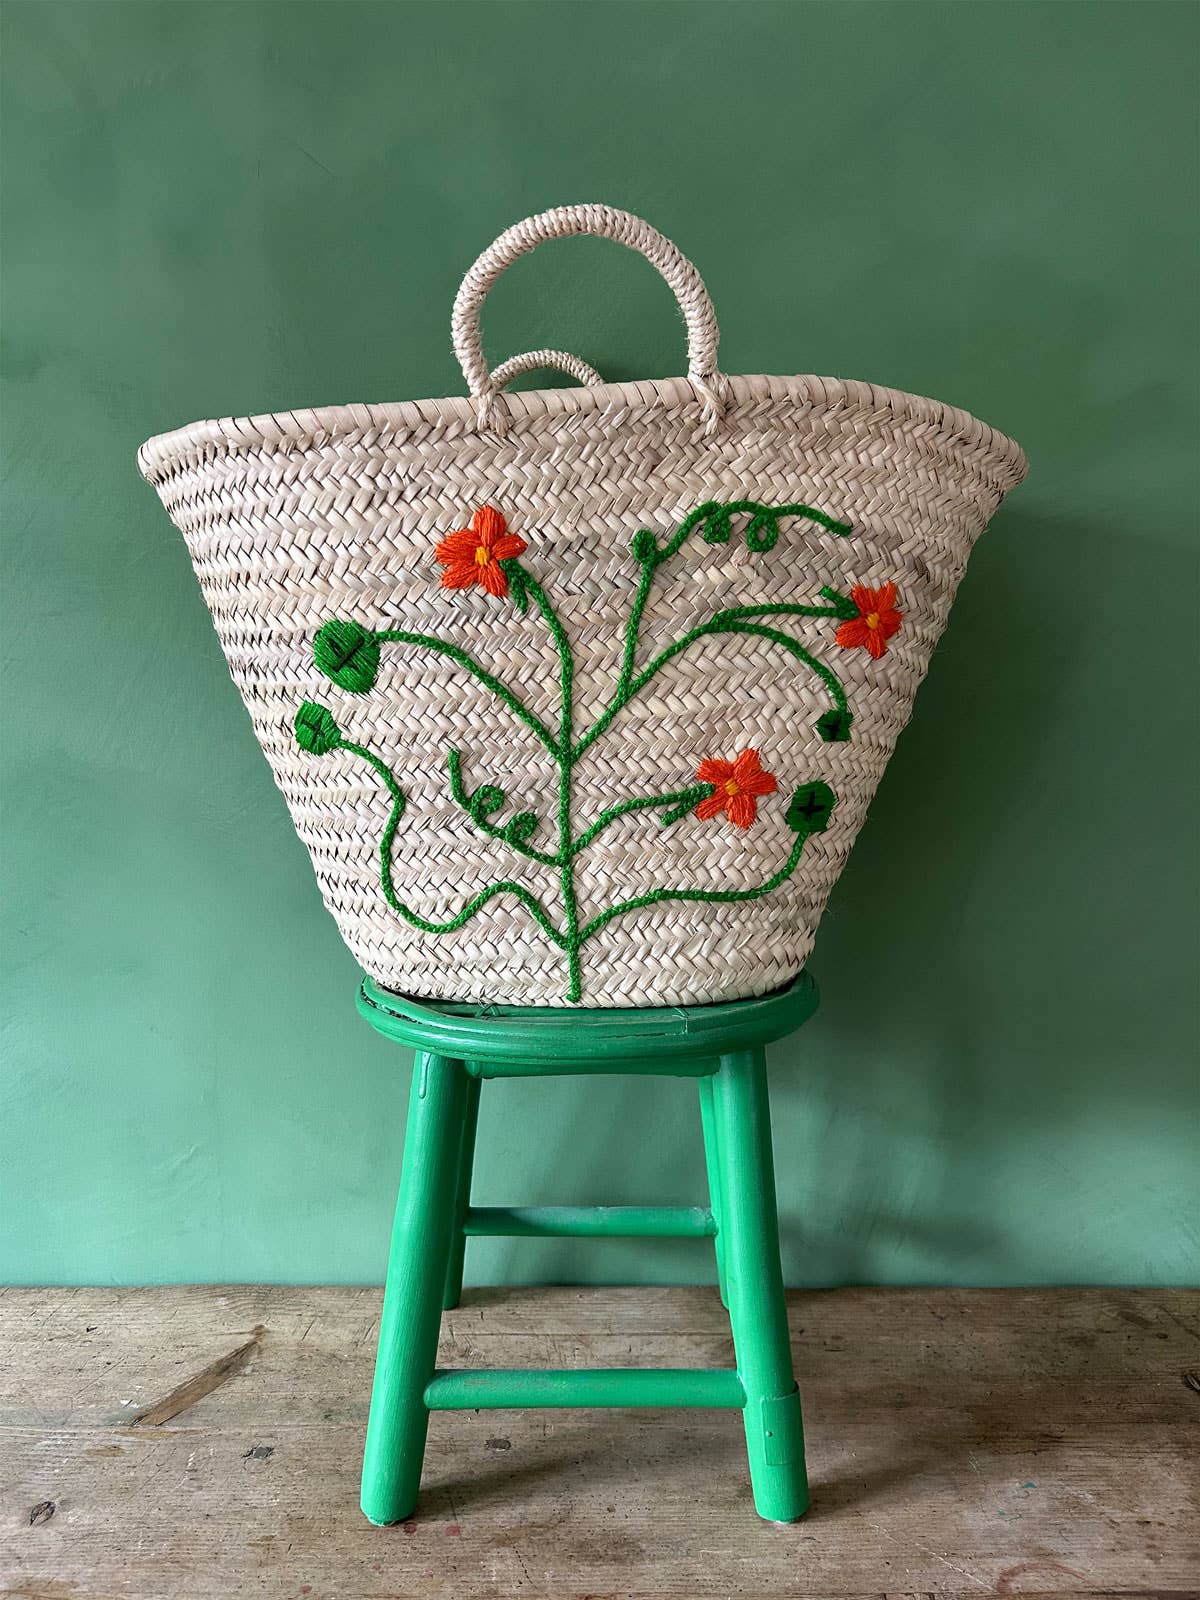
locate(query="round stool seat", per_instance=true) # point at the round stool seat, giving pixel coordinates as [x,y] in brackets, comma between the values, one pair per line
[546,1039]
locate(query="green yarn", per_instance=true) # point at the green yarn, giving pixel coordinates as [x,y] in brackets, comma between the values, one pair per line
[706,896]
[520,828]
[316,731]
[715,517]
[534,906]
[818,796]
[566,860]
[484,803]
[673,807]
[732,621]
[809,812]
[488,799]
[349,655]
[461,658]
[834,726]
[786,642]
[644,546]
[839,605]
[811,808]
[762,533]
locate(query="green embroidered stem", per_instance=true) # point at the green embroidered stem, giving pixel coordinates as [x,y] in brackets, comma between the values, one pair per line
[811,806]
[533,906]
[573,940]
[732,622]
[762,533]
[563,645]
[650,563]
[706,896]
[348,654]
[487,799]
[680,802]
[840,606]
[786,642]
[646,551]
[566,865]
[453,653]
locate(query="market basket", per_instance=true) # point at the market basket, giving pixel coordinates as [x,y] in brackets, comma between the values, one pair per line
[579,695]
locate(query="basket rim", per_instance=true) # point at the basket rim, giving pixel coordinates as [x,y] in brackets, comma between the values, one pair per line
[303,428]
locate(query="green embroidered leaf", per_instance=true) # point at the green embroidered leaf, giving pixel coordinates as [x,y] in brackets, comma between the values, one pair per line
[348,654]
[811,808]
[834,726]
[316,731]
[842,604]
[645,546]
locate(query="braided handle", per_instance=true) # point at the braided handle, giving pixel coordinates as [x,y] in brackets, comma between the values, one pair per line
[532,360]
[607,223]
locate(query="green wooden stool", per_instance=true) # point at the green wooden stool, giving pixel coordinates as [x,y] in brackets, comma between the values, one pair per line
[723,1046]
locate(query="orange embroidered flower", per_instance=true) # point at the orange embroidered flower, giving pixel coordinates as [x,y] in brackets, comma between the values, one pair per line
[876,622]
[473,555]
[736,788]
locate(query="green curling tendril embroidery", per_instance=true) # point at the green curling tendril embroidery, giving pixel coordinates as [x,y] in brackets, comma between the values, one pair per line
[349,655]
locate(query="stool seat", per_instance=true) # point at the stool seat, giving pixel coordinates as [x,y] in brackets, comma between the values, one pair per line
[459,1046]
[543,1041]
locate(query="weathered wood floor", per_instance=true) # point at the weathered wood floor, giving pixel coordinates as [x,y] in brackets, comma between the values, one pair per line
[201,1443]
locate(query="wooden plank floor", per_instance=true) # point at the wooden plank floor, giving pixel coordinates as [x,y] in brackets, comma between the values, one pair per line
[205,1442]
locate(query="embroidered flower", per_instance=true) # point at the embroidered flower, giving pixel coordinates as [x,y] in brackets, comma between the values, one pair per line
[736,788]
[876,622]
[473,555]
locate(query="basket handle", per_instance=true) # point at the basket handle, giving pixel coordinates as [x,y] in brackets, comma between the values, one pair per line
[607,223]
[532,360]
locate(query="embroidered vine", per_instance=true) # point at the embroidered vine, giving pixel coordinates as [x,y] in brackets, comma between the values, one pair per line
[729,784]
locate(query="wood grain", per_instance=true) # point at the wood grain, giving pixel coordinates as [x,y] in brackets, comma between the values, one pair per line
[962,1443]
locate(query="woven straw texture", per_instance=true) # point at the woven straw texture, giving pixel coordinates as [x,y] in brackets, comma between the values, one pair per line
[299,518]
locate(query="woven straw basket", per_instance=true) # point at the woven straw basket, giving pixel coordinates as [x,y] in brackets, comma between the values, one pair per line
[580,695]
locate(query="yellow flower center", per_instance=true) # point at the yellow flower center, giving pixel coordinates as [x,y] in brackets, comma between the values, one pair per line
[731,787]
[872,619]
[482,555]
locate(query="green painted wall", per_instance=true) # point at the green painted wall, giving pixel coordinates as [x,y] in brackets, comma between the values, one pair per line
[216,208]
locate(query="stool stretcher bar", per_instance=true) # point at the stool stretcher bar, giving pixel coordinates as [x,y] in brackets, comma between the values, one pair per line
[504,1388]
[590,1222]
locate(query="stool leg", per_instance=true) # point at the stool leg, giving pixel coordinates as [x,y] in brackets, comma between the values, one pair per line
[712,1162]
[758,1314]
[466,1165]
[412,1299]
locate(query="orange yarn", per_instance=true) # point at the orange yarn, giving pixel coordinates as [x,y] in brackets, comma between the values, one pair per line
[736,787]
[473,555]
[876,622]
